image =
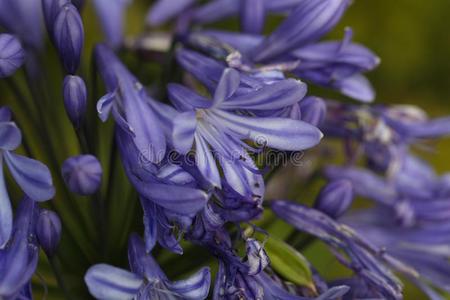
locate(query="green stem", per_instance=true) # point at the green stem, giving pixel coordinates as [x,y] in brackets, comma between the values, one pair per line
[21,99]
[54,263]
[82,141]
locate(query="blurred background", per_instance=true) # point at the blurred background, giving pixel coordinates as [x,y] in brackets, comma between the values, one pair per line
[410,36]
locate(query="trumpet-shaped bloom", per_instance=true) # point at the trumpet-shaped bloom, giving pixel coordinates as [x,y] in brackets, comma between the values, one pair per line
[217,131]
[168,193]
[128,102]
[145,281]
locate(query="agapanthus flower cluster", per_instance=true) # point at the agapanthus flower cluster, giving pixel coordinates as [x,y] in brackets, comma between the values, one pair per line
[187,159]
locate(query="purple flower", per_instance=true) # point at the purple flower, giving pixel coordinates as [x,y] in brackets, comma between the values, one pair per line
[169,194]
[12,55]
[333,64]
[32,176]
[111,14]
[48,231]
[337,64]
[130,105]
[75,99]
[232,283]
[310,21]
[293,47]
[367,261]
[234,207]
[411,222]
[19,258]
[384,133]
[68,36]
[82,174]
[335,198]
[215,125]
[145,281]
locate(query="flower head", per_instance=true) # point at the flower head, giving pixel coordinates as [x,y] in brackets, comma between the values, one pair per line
[216,125]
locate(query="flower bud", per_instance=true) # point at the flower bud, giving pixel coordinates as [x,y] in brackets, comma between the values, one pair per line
[313,110]
[82,174]
[48,231]
[51,8]
[12,55]
[75,95]
[335,198]
[68,35]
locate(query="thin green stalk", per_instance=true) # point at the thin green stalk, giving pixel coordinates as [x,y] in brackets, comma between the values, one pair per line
[59,276]
[84,145]
[21,99]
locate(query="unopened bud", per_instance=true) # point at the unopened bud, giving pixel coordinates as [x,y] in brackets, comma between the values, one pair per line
[82,174]
[335,198]
[68,35]
[12,55]
[75,99]
[48,231]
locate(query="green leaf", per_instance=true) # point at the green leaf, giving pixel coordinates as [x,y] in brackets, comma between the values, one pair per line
[289,263]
